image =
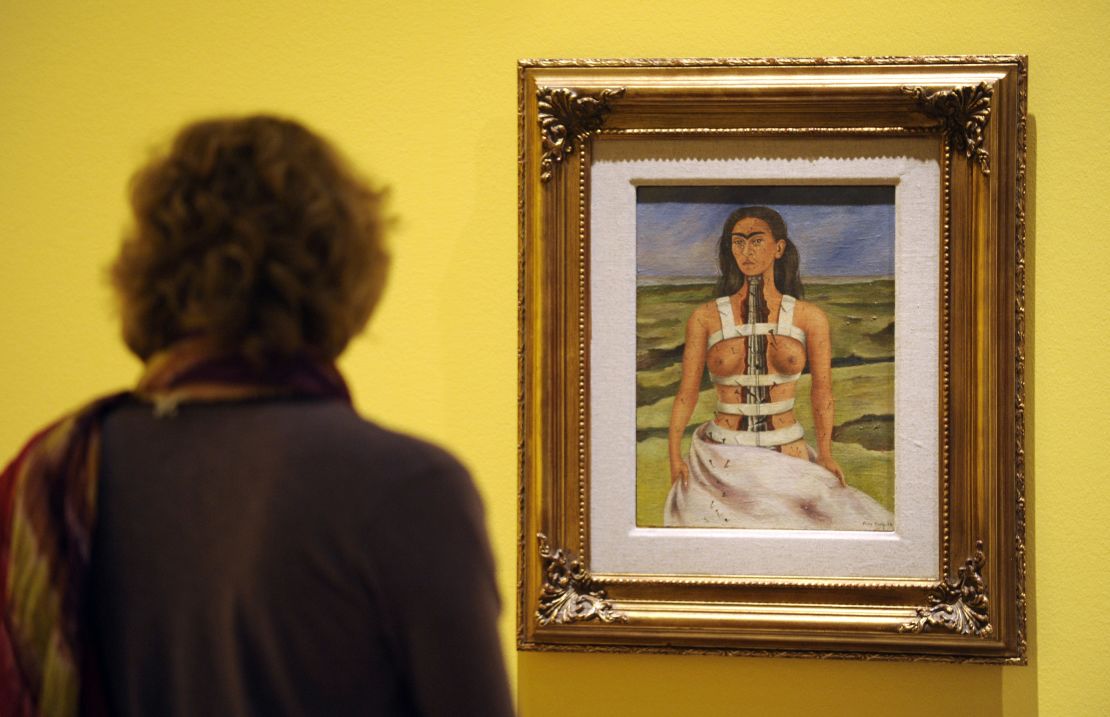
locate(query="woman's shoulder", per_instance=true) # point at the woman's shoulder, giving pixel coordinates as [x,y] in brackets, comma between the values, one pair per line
[809,315]
[708,308]
[336,426]
[705,315]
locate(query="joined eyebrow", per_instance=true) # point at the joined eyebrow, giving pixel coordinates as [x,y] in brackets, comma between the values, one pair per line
[747,236]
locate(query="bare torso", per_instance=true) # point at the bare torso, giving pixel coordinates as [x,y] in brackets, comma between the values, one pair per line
[784,355]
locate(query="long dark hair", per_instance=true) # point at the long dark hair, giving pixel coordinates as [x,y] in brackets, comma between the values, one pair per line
[787,278]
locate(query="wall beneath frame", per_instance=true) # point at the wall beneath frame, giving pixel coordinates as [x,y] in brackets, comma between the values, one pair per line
[423,95]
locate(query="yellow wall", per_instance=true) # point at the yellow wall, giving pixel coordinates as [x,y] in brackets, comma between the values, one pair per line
[424,96]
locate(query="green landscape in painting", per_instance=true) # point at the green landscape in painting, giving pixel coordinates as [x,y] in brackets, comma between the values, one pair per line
[861,319]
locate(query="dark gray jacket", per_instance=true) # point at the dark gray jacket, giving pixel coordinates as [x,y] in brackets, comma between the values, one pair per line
[286,557]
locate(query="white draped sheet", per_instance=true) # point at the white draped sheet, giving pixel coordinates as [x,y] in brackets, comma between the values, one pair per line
[748,487]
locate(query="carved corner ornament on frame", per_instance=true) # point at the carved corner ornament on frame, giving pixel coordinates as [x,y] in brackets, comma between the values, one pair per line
[963,113]
[958,605]
[567,117]
[569,593]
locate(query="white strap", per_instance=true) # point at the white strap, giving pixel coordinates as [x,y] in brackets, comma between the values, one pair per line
[786,316]
[728,323]
[757,330]
[771,408]
[761,379]
[777,437]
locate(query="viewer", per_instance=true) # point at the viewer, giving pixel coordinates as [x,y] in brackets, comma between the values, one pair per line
[231,538]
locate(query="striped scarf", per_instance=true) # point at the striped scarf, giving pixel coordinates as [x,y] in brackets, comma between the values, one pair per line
[48,514]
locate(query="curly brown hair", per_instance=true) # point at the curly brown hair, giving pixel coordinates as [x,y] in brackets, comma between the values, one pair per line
[255,233]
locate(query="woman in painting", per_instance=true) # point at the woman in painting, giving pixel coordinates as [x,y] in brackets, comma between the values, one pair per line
[750,466]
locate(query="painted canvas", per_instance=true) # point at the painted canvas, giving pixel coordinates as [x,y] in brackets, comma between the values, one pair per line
[765,357]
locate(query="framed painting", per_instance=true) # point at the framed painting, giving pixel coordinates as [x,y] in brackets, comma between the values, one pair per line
[771,356]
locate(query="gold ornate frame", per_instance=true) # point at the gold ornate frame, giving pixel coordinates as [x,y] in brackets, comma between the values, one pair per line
[976,109]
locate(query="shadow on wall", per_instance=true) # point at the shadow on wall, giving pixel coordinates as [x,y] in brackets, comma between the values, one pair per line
[679,685]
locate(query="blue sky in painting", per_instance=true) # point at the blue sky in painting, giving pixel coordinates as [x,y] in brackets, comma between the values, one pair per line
[839,230]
